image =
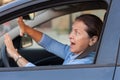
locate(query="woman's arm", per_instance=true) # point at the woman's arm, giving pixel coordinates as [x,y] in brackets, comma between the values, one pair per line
[48,43]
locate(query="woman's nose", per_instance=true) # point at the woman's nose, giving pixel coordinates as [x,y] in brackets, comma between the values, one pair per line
[70,36]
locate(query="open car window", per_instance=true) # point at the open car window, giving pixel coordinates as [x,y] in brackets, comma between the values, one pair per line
[55,22]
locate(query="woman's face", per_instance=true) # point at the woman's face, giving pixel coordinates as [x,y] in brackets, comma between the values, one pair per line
[79,38]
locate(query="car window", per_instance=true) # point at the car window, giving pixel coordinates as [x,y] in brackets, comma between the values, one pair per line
[55,22]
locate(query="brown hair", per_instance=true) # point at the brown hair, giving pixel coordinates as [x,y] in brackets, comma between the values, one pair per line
[93,22]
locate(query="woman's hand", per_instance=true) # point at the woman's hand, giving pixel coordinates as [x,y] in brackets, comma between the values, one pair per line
[22,26]
[12,52]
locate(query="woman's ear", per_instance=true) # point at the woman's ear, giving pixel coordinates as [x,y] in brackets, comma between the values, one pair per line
[93,40]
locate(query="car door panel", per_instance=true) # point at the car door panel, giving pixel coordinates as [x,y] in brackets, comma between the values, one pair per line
[93,73]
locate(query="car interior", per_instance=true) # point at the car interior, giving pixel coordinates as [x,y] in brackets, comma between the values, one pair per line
[49,21]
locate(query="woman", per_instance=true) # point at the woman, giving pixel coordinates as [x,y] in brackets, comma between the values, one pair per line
[85,33]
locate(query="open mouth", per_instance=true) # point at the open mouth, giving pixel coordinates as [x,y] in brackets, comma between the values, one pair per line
[72,44]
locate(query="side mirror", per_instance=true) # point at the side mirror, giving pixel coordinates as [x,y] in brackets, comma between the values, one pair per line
[30,16]
[26,41]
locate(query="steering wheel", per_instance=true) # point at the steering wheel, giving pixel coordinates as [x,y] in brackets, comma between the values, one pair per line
[4,56]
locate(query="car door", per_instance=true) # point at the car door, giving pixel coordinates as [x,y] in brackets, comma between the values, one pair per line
[103,67]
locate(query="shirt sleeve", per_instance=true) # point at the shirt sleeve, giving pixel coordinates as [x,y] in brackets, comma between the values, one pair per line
[30,65]
[54,46]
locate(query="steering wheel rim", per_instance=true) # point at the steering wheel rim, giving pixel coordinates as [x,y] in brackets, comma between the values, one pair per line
[4,56]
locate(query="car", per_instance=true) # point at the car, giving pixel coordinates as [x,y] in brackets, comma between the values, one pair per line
[55,17]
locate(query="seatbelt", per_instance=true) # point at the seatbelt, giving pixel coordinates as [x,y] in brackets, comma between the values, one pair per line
[88,51]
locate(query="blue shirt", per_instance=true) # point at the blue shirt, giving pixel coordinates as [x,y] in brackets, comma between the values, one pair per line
[62,51]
